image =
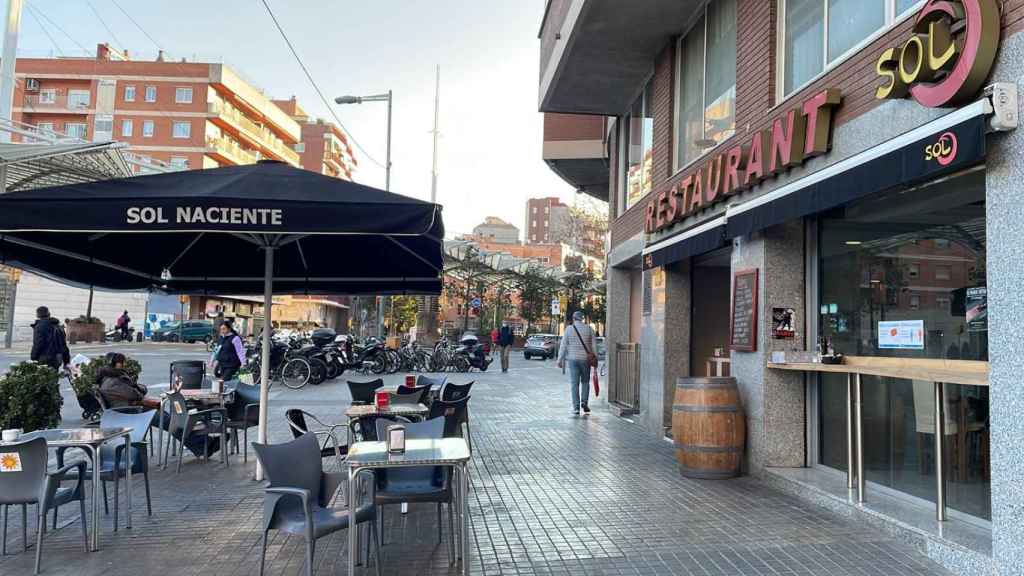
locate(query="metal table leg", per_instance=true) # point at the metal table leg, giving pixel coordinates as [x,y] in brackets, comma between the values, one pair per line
[463,500]
[160,460]
[128,476]
[859,405]
[352,527]
[95,453]
[850,473]
[940,436]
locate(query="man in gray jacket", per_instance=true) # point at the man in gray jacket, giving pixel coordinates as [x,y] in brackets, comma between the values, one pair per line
[577,342]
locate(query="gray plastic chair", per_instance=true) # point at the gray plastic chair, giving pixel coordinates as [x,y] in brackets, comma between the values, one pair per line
[417,484]
[413,395]
[243,413]
[184,425]
[453,392]
[362,392]
[299,494]
[192,372]
[33,485]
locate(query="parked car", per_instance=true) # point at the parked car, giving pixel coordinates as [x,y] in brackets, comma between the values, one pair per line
[543,346]
[191,331]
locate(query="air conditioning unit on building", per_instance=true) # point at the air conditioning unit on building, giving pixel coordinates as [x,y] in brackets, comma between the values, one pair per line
[31,84]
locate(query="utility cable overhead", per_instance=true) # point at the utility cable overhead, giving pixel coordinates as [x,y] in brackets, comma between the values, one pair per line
[104,23]
[46,31]
[39,13]
[137,25]
[309,77]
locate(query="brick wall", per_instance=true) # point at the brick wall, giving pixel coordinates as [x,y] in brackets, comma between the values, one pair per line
[755,90]
[561,127]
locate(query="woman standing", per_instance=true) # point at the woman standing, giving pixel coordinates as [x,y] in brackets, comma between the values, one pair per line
[231,353]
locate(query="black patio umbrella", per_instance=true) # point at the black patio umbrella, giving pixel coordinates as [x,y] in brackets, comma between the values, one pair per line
[255,229]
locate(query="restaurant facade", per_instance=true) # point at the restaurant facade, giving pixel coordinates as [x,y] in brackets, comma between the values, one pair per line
[824,200]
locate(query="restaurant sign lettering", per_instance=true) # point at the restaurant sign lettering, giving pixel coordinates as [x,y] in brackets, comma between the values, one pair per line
[794,137]
[947,57]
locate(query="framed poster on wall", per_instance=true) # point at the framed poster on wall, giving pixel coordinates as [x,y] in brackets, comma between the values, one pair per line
[743,324]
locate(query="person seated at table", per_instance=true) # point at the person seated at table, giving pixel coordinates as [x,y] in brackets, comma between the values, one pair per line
[231,355]
[118,388]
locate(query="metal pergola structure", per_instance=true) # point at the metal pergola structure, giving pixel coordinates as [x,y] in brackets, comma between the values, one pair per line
[464,260]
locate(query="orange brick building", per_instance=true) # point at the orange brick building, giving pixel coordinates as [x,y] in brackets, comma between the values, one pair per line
[323,148]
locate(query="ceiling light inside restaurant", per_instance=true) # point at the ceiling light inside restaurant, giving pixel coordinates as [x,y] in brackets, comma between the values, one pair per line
[853,242]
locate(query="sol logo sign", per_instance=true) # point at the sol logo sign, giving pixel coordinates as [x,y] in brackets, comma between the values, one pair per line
[936,68]
[942,150]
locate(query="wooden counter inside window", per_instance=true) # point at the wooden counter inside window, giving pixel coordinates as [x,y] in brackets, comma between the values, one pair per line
[970,372]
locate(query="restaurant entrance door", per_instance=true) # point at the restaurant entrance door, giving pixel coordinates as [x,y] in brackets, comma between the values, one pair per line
[709,331]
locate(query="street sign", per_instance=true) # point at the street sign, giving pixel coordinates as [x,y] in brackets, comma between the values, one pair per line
[563,302]
[475,303]
[556,307]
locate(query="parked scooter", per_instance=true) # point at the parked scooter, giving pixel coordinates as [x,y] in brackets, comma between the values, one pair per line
[473,351]
[116,335]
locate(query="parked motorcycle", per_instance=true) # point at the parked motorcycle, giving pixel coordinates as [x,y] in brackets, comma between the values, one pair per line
[474,354]
[116,335]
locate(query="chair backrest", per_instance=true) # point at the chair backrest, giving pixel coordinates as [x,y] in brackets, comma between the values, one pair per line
[139,423]
[296,422]
[293,464]
[414,430]
[192,373]
[414,395]
[22,471]
[362,392]
[422,380]
[245,394]
[453,392]
[454,414]
[179,413]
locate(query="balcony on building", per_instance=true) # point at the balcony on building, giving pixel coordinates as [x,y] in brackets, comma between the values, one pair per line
[596,54]
[226,151]
[575,148]
[46,102]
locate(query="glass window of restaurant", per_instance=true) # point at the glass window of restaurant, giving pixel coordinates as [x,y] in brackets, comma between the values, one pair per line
[917,256]
[706,83]
[638,142]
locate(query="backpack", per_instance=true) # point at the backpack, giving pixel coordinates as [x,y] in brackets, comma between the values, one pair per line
[120,322]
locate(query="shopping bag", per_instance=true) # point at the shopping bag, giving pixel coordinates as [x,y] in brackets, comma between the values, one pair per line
[597,385]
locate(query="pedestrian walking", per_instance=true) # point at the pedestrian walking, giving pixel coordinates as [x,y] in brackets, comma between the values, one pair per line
[49,342]
[122,325]
[577,350]
[231,354]
[505,339]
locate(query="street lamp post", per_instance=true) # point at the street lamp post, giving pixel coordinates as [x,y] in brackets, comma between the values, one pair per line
[387,171]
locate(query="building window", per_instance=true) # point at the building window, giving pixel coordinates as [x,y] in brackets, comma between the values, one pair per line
[913,271]
[179,162]
[942,304]
[545,223]
[183,95]
[76,130]
[45,126]
[129,93]
[638,136]
[182,130]
[943,272]
[105,125]
[300,147]
[819,33]
[78,99]
[126,127]
[915,302]
[547,209]
[147,128]
[533,223]
[534,209]
[533,237]
[47,96]
[706,85]
[942,243]
[150,93]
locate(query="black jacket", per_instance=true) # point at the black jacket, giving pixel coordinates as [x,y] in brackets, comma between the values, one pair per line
[118,389]
[49,345]
[505,336]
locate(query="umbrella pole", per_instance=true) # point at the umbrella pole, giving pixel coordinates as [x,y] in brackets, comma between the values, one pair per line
[268,283]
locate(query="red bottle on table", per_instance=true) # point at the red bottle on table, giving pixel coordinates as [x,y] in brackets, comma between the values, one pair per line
[383,399]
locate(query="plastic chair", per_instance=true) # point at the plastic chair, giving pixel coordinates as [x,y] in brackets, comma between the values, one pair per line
[453,392]
[417,484]
[299,494]
[185,425]
[332,447]
[244,413]
[362,392]
[422,380]
[192,373]
[33,485]
[455,414]
[414,395]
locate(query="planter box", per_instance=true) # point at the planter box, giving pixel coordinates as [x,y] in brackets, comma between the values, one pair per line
[82,332]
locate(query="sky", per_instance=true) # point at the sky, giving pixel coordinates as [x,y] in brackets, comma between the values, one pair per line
[491,133]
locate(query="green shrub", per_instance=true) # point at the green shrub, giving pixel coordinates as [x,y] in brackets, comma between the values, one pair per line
[30,397]
[85,382]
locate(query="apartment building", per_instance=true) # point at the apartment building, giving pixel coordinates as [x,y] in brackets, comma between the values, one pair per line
[547,220]
[187,114]
[494,229]
[323,148]
[851,167]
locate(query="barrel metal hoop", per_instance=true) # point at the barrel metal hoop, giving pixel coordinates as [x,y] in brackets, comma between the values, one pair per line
[704,408]
[707,474]
[708,449]
[706,383]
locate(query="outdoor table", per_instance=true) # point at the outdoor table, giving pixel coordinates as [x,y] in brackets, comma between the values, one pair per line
[91,439]
[454,452]
[357,411]
[203,396]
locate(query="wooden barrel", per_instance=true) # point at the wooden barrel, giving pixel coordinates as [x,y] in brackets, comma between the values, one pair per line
[708,427]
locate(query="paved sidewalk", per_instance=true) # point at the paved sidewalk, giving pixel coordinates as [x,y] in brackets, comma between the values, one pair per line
[551,495]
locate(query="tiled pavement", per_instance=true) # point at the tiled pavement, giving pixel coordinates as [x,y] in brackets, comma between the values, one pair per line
[551,495]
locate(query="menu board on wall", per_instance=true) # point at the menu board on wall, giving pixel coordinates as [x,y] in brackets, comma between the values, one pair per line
[743,327]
